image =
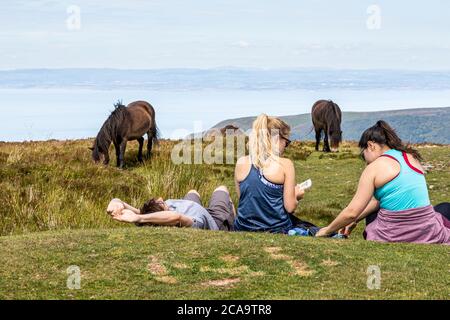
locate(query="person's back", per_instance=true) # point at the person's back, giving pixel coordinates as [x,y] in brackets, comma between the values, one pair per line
[261,203]
[405,211]
[265,182]
[408,189]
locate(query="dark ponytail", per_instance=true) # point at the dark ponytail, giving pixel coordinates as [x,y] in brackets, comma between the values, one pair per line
[382,133]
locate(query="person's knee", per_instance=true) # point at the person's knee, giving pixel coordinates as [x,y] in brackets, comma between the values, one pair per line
[194,192]
[222,188]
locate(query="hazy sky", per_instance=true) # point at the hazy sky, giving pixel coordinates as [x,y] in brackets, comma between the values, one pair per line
[400,34]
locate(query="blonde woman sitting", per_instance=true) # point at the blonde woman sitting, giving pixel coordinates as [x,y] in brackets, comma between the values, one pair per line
[265,181]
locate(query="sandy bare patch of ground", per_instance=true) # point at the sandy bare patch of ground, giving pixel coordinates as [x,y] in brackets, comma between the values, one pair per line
[229,258]
[160,272]
[272,249]
[155,267]
[178,265]
[330,263]
[166,279]
[299,268]
[222,283]
[274,253]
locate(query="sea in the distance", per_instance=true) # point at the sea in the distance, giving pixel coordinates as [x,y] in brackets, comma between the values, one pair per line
[35,113]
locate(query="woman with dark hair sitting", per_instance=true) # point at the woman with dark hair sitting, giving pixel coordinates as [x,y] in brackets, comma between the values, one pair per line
[186,212]
[393,186]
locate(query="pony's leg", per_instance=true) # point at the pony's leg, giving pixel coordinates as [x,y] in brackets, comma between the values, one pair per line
[149,144]
[326,145]
[318,132]
[141,144]
[117,148]
[123,146]
[106,161]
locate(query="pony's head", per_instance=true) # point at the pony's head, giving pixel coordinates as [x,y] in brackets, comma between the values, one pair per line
[335,136]
[98,152]
[334,130]
[108,132]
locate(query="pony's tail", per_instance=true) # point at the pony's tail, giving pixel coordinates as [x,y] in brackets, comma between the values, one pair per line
[155,132]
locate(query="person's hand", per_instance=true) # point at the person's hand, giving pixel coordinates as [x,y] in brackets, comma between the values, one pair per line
[348,229]
[127,216]
[299,193]
[115,207]
[323,232]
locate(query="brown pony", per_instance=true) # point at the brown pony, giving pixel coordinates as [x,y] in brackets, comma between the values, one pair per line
[327,116]
[125,124]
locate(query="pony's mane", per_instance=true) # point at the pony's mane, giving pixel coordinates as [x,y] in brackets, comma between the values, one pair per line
[111,126]
[334,110]
[118,104]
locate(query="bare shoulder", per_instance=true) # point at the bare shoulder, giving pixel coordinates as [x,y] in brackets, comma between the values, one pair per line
[383,161]
[383,164]
[245,160]
[382,170]
[242,168]
[286,163]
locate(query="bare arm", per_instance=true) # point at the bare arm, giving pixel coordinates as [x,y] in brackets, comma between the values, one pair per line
[162,218]
[357,206]
[373,206]
[236,184]
[240,171]
[125,205]
[291,195]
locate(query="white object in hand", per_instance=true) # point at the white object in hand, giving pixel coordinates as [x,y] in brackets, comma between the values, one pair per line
[305,185]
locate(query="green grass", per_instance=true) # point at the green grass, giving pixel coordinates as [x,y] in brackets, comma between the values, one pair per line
[169,263]
[53,216]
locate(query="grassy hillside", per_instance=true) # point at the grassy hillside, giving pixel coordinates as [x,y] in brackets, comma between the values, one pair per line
[54,187]
[163,263]
[428,125]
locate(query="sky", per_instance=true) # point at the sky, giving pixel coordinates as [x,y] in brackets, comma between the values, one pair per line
[138,34]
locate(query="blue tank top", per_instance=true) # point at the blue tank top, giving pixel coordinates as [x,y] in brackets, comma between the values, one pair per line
[408,190]
[261,205]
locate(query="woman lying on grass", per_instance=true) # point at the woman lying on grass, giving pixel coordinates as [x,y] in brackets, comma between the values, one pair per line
[393,187]
[186,212]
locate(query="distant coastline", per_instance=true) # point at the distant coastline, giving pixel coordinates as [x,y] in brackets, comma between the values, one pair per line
[43,104]
[418,125]
[225,78]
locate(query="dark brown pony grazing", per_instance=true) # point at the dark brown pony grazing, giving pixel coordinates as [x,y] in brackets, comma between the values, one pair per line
[327,116]
[125,124]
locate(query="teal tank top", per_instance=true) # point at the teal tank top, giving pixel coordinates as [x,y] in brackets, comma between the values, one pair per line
[408,190]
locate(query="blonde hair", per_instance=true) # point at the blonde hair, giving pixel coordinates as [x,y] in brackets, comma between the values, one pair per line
[261,147]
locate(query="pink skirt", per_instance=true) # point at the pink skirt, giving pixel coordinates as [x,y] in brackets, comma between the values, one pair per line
[420,225]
